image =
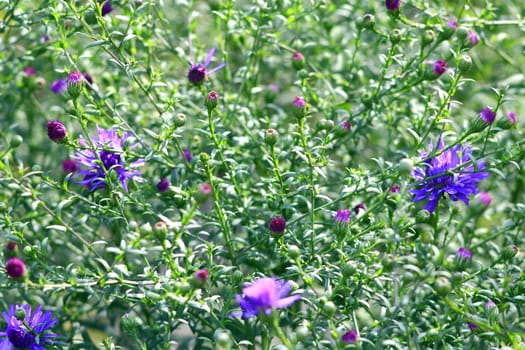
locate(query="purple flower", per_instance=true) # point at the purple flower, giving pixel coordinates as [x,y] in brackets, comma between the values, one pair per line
[464,254]
[198,73]
[274,87]
[350,336]
[15,268]
[278,224]
[69,166]
[488,115]
[187,154]
[452,172]
[163,185]
[202,275]
[490,305]
[11,246]
[485,198]
[297,56]
[75,78]
[394,189]
[299,107]
[472,38]
[452,24]
[88,78]
[109,148]
[264,295]
[27,329]
[106,8]
[472,326]
[59,86]
[392,5]
[30,71]
[440,67]
[512,117]
[56,131]
[342,216]
[346,125]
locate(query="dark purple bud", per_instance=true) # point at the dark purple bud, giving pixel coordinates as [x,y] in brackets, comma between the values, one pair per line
[106,8]
[440,67]
[350,336]
[488,115]
[163,185]
[15,268]
[277,225]
[69,166]
[88,78]
[392,5]
[59,86]
[197,74]
[56,131]
[30,71]
[202,275]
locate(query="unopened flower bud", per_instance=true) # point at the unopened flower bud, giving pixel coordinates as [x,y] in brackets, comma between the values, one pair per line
[56,131]
[179,120]
[508,122]
[368,21]
[16,268]
[395,36]
[129,324]
[509,252]
[428,37]
[211,100]
[442,286]
[161,231]
[204,157]
[203,192]
[298,61]
[406,165]
[329,309]
[294,252]
[75,82]
[465,63]
[299,107]
[16,141]
[486,117]
[271,136]
[20,314]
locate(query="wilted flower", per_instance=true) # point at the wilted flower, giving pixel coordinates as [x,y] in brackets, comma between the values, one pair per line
[59,86]
[452,172]
[392,5]
[264,295]
[27,329]
[16,268]
[350,336]
[278,224]
[109,148]
[56,131]
[198,73]
[440,67]
[342,216]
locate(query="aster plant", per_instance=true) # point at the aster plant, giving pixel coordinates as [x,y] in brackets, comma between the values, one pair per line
[452,172]
[103,155]
[27,329]
[198,73]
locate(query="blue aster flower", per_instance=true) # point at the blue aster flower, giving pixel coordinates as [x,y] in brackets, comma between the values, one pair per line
[27,330]
[452,172]
[264,295]
[109,147]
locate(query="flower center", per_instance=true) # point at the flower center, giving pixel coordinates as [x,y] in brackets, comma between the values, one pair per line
[197,74]
[19,337]
[109,159]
